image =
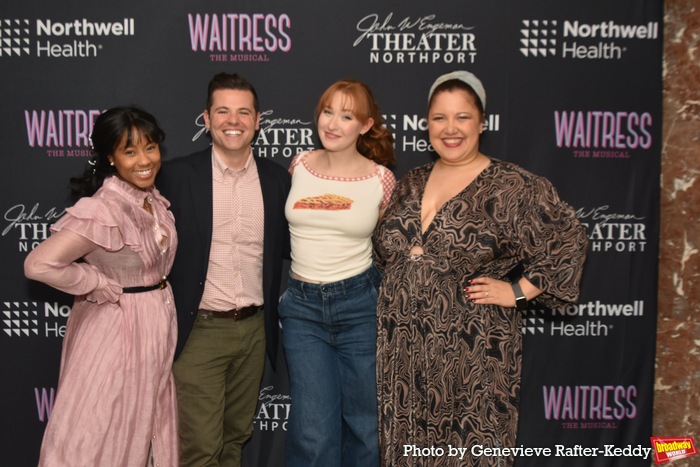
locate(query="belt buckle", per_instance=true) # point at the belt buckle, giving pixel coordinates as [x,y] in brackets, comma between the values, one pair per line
[205,314]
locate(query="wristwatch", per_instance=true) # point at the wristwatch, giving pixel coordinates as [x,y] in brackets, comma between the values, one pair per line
[520,299]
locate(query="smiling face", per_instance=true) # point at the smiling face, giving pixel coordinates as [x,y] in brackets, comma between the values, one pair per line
[454,126]
[232,121]
[338,127]
[136,159]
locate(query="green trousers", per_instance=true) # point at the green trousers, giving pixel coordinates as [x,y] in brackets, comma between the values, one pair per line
[218,377]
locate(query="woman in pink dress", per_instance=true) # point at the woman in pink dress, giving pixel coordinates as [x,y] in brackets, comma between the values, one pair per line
[115,404]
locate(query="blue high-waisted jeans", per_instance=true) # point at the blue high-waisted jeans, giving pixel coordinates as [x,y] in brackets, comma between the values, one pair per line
[330,333]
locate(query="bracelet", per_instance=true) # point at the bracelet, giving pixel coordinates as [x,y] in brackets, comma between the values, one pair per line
[520,298]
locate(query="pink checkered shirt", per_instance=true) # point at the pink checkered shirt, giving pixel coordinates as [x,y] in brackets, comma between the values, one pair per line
[234,277]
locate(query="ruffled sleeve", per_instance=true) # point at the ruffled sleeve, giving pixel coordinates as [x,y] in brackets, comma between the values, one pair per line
[102,222]
[553,242]
[54,262]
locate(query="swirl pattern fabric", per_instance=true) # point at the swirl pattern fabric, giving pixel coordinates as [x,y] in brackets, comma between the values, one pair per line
[448,370]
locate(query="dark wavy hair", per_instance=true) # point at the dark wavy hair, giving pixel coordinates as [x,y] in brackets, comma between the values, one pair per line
[377,143]
[232,81]
[107,133]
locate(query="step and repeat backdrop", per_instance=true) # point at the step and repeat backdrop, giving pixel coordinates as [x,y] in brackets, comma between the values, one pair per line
[574,94]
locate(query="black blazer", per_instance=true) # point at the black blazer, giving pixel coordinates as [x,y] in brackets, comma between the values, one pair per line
[187,183]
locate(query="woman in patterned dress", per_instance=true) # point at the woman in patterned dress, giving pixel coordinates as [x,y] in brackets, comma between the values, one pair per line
[115,404]
[449,344]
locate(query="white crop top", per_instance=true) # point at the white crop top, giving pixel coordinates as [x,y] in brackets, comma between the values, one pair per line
[331,220]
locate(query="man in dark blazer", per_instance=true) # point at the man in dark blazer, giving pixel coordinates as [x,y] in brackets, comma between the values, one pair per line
[233,237]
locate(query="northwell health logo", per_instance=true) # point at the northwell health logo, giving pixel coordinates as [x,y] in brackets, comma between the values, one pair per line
[538,38]
[14,37]
[46,38]
[20,319]
[34,319]
[604,40]
[586,319]
[533,322]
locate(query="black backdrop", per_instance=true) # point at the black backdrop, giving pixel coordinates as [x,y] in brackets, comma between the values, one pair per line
[574,93]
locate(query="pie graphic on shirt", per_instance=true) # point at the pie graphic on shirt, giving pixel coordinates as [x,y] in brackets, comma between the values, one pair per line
[327,202]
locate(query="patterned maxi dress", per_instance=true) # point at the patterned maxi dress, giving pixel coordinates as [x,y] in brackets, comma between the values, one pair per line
[116,396]
[448,370]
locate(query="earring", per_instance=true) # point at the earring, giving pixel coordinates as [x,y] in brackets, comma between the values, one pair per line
[111,163]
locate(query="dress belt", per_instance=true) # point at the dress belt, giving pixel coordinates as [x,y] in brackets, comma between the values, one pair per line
[235,314]
[163,283]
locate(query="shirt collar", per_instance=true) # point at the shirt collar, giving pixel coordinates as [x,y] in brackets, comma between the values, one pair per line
[127,190]
[220,168]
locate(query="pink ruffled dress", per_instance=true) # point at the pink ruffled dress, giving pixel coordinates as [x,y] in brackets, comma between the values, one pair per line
[115,404]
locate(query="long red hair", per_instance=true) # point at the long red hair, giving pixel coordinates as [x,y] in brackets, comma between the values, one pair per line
[377,143]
